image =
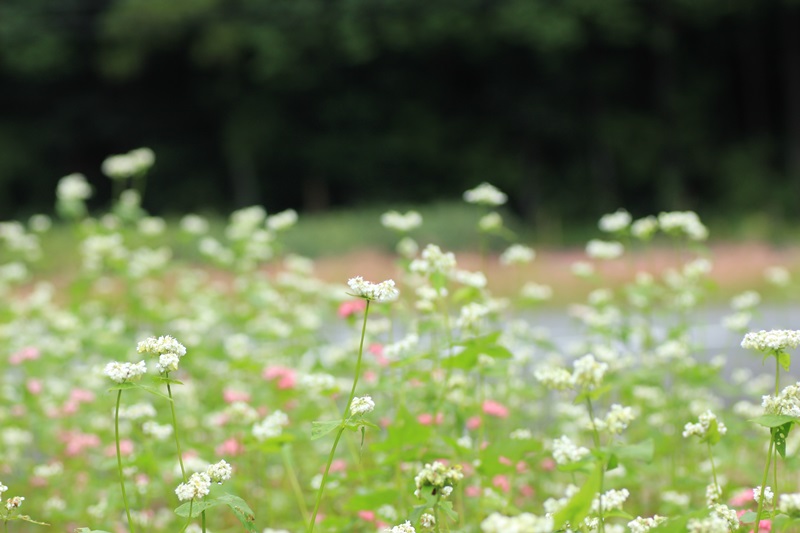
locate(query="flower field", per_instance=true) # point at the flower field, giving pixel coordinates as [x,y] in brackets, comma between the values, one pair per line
[144,392]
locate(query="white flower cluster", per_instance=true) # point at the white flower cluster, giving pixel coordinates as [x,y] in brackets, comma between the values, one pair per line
[745,301]
[362,405]
[14,503]
[126,165]
[790,504]
[156,430]
[490,222]
[587,372]
[73,187]
[612,499]
[517,254]
[402,223]
[100,250]
[768,495]
[644,228]
[194,224]
[617,420]
[380,292]
[438,476]
[471,279]
[643,525]
[271,426]
[485,194]
[282,221]
[199,485]
[536,292]
[405,527]
[597,249]
[523,523]
[703,425]
[615,222]
[776,340]
[686,222]
[471,314]
[566,452]
[712,524]
[777,276]
[125,372]
[554,378]
[403,346]
[219,472]
[427,520]
[433,260]
[728,514]
[787,402]
[168,350]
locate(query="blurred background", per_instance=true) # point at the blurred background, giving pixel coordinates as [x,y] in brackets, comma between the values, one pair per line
[572,107]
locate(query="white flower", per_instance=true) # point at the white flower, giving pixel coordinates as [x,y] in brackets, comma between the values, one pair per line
[199,485]
[156,430]
[427,520]
[283,220]
[536,292]
[438,476]
[566,452]
[777,340]
[617,420]
[402,223]
[614,222]
[161,345]
[777,276]
[597,249]
[405,527]
[485,194]
[490,222]
[471,314]
[380,292]
[271,426]
[686,222]
[702,427]
[555,378]
[523,523]
[790,504]
[768,495]
[219,472]
[3,488]
[125,372]
[362,405]
[517,254]
[14,503]
[73,187]
[433,260]
[746,300]
[167,362]
[643,525]
[127,165]
[582,269]
[194,225]
[644,228]
[587,372]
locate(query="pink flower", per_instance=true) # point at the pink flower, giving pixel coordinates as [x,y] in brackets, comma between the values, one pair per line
[339,465]
[427,419]
[286,376]
[502,483]
[29,353]
[473,423]
[81,395]
[76,442]
[547,464]
[351,307]
[125,448]
[504,460]
[34,386]
[370,376]
[527,491]
[230,396]
[377,350]
[230,447]
[493,408]
[369,516]
[472,491]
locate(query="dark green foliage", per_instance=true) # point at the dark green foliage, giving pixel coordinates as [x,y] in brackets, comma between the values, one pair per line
[311,103]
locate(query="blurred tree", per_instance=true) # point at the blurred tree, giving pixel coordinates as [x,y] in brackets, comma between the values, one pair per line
[575,107]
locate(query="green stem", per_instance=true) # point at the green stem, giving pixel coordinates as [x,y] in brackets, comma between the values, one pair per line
[203,520]
[436,517]
[119,463]
[764,484]
[175,430]
[189,518]
[596,440]
[313,520]
[298,492]
[713,469]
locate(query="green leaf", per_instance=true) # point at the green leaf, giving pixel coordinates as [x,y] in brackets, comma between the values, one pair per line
[749,516]
[26,518]
[785,360]
[712,433]
[417,512]
[320,428]
[166,380]
[354,424]
[578,507]
[447,508]
[239,507]
[641,451]
[122,386]
[772,421]
[779,435]
[151,390]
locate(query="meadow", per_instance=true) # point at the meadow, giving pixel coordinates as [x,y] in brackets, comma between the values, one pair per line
[190,377]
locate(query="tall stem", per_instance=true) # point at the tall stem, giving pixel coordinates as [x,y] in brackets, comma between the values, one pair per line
[596,440]
[313,520]
[119,463]
[298,492]
[203,520]
[713,469]
[175,430]
[772,448]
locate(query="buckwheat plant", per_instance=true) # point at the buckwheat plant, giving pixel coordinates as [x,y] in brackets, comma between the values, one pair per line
[125,375]
[10,510]
[710,430]
[781,409]
[435,483]
[352,416]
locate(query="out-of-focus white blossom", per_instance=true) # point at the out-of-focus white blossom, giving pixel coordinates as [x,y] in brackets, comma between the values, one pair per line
[485,194]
